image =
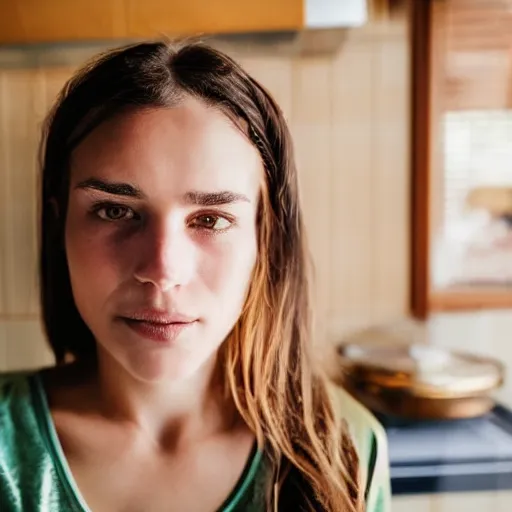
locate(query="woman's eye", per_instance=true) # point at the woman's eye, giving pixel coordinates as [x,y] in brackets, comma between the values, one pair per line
[213,222]
[115,212]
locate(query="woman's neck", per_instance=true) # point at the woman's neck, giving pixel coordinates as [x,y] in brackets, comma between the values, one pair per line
[169,414]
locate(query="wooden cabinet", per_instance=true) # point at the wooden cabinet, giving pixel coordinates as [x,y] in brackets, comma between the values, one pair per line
[43,21]
[36,21]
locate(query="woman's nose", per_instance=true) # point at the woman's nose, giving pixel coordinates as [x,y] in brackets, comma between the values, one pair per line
[166,256]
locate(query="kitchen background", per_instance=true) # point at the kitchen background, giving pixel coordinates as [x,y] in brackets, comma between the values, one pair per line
[349,109]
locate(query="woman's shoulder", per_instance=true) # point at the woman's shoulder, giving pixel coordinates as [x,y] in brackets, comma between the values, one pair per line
[16,403]
[14,387]
[377,480]
[16,416]
[28,476]
[370,441]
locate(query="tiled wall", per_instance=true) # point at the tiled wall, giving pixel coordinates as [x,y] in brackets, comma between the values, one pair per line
[349,115]
[467,502]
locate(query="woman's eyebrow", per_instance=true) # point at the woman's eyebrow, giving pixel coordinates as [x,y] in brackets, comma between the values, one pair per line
[215,198]
[193,197]
[114,188]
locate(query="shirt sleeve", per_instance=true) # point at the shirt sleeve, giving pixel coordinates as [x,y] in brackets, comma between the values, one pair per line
[378,487]
[371,444]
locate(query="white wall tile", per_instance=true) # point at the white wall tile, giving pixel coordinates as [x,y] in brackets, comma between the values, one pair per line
[21,110]
[421,503]
[468,502]
[22,345]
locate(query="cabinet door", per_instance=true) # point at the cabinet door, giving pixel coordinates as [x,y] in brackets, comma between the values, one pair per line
[30,21]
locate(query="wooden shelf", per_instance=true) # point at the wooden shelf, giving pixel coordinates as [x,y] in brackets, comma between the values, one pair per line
[470,298]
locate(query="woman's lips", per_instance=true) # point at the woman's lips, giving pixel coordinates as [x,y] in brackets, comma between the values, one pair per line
[157,316]
[157,325]
[158,331]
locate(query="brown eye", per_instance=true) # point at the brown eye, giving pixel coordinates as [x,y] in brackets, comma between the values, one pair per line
[213,222]
[115,212]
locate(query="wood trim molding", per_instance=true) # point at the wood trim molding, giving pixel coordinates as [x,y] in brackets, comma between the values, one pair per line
[420,155]
[464,299]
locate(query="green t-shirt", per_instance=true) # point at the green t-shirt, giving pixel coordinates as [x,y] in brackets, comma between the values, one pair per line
[35,476]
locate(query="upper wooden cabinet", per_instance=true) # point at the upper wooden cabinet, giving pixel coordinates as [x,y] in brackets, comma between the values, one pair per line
[42,21]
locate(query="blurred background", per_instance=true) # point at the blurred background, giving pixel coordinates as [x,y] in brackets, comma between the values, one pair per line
[401,112]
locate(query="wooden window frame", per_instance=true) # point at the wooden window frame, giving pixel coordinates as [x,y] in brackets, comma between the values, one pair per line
[426,153]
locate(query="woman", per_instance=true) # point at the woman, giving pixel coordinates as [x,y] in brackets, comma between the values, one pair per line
[175,299]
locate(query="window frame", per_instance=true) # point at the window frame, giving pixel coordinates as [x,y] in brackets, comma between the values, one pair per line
[428,25]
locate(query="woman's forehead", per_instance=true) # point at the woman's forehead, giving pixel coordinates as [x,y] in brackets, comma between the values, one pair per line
[190,146]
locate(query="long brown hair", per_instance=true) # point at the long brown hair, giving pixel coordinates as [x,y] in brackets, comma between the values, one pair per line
[267,360]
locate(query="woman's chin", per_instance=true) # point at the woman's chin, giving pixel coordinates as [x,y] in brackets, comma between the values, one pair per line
[171,368]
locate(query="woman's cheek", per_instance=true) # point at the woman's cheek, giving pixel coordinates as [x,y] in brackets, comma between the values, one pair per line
[226,265]
[92,257]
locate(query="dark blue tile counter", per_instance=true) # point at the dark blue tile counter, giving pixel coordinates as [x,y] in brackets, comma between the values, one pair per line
[451,456]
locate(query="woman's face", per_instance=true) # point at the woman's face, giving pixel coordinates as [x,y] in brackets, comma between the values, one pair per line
[161,235]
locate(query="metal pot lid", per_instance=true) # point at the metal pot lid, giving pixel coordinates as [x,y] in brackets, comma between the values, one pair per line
[422,369]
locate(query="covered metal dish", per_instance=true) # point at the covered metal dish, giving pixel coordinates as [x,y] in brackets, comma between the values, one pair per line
[420,381]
